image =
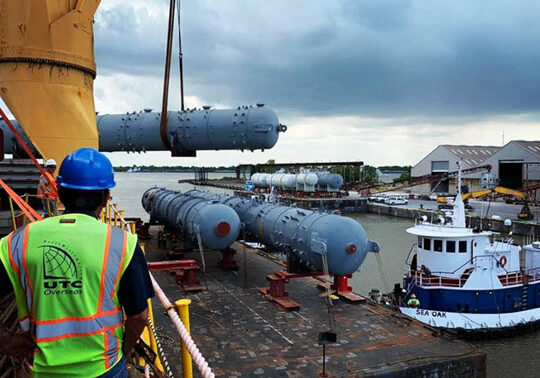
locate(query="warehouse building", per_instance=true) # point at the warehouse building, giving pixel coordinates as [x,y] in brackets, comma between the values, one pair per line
[516,165]
[444,158]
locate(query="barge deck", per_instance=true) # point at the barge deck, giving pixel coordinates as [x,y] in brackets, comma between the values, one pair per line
[242,334]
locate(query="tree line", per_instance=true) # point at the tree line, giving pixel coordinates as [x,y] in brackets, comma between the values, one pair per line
[176,168]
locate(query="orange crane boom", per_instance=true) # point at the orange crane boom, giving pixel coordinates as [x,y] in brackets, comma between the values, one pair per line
[47,71]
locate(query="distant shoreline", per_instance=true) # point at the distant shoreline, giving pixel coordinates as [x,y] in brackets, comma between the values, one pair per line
[170,170]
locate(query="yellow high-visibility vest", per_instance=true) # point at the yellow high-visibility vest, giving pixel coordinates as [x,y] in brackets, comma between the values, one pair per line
[66,273]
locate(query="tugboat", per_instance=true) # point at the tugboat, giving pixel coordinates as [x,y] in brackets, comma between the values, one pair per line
[464,280]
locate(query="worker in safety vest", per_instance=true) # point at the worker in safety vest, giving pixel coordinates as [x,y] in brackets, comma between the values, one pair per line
[47,189]
[413,302]
[74,278]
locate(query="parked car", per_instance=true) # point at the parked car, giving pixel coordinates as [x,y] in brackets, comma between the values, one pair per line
[377,198]
[382,198]
[396,201]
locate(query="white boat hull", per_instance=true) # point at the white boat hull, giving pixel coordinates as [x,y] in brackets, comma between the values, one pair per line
[468,321]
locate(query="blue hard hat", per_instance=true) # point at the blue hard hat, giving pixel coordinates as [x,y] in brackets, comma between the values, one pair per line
[86,169]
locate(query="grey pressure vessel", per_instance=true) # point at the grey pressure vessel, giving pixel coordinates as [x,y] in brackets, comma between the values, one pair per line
[329,181]
[305,182]
[255,179]
[288,182]
[217,224]
[275,180]
[244,128]
[303,234]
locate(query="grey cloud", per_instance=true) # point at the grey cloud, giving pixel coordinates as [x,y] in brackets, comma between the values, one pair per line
[376,58]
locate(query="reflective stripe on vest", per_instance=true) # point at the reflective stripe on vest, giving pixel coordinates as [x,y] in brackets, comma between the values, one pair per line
[111,348]
[108,315]
[17,242]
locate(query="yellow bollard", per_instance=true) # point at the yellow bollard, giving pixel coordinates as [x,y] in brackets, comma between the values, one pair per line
[115,210]
[122,225]
[182,306]
[102,215]
[132,227]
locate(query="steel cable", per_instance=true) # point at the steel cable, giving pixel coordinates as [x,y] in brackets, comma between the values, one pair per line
[162,356]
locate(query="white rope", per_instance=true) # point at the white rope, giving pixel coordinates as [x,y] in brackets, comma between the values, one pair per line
[190,345]
[147,371]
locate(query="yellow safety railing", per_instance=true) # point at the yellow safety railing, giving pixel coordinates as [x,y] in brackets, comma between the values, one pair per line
[25,218]
[111,215]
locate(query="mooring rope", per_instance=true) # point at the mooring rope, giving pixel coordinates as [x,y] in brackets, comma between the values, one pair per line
[382,272]
[190,345]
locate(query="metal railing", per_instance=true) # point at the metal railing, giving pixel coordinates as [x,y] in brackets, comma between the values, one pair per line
[533,274]
[111,215]
[436,278]
[422,279]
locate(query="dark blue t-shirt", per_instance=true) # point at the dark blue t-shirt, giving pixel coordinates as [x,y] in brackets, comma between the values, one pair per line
[135,284]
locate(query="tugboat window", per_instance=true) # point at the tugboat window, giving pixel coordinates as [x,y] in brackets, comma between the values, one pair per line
[450,246]
[419,242]
[437,245]
[462,246]
[427,244]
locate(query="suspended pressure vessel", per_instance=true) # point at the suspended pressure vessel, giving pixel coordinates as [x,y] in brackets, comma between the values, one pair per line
[218,225]
[244,128]
[305,235]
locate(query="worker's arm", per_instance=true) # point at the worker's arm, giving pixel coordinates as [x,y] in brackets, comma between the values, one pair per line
[42,186]
[132,330]
[14,345]
[19,346]
[134,291]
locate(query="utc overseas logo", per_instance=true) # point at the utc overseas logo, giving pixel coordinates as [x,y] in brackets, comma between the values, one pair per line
[60,272]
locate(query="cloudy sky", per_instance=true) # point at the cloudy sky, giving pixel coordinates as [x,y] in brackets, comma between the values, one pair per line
[382,81]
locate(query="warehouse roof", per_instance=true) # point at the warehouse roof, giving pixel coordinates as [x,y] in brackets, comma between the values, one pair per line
[532,146]
[472,155]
